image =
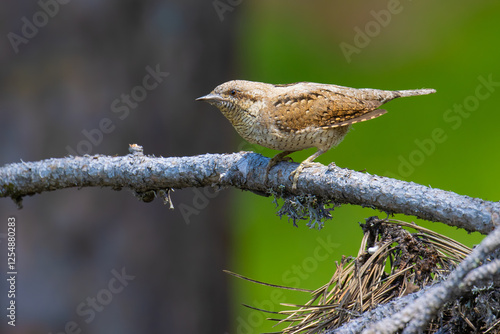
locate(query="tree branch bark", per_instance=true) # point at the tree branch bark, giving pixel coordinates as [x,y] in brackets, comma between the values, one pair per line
[246,170]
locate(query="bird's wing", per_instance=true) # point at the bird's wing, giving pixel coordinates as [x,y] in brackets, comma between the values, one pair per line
[322,108]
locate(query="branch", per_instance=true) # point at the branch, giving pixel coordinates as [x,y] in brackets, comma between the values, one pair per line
[387,311]
[246,170]
[381,312]
[415,316]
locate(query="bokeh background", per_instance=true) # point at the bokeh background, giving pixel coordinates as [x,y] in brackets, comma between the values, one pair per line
[60,80]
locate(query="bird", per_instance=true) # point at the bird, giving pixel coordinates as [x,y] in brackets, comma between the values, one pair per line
[297,116]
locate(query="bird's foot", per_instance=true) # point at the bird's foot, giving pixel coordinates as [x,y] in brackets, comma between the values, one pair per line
[299,170]
[275,160]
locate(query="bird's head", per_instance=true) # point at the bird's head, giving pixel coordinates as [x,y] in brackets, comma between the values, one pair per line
[238,97]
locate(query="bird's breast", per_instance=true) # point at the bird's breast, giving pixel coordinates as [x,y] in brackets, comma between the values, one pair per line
[273,138]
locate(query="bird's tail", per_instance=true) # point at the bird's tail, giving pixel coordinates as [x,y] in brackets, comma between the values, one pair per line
[414,92]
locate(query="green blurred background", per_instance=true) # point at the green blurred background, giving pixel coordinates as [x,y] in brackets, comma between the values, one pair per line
[441,45]
[64,79]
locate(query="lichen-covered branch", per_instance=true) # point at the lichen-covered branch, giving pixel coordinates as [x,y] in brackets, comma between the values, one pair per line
[415,316]
[482,278]
[246,170]
[381,312]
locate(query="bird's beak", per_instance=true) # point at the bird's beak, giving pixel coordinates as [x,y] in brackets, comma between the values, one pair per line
[209,98]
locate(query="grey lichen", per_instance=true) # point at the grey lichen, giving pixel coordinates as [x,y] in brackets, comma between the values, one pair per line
[304,207]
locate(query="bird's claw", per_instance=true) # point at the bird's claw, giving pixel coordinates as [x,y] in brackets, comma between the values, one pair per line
[299,170]
[275,160]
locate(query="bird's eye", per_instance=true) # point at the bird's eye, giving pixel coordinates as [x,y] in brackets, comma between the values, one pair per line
[233,92]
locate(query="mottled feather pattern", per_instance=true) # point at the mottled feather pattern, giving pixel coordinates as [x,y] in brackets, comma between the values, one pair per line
[321,108]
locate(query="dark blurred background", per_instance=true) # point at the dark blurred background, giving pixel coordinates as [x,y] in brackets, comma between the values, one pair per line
[68,68]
